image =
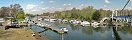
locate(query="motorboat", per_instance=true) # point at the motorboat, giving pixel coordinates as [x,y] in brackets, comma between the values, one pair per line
[64,29]
[95,23]
[76,22]
[64,21]
[85,23]
[53,20]
[47,20]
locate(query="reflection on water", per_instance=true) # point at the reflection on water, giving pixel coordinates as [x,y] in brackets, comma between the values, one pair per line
[115,34]
[77,32]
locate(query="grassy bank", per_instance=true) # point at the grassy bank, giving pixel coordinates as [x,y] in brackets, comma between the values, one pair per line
[16,34]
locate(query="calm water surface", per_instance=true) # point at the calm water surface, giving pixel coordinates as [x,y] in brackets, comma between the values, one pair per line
[86,33]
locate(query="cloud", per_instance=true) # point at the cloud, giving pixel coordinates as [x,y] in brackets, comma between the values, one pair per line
[131,0]
[107,1]
[64,4]
[43,8]
[30,6]
[60,8]
[34,9]
[41,2]
[69,4]
[82,4]
[105,6]
[51,1]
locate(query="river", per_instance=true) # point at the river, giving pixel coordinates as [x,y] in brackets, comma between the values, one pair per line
[86,33]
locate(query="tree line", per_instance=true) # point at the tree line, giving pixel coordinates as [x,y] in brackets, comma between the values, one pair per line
[14,10]
[88,13]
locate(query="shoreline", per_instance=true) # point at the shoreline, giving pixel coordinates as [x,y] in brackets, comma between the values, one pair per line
[40,37]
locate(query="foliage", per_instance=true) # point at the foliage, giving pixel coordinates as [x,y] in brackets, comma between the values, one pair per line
[87,13]
[10,11]
[20,15]
[30,15]
[96,15]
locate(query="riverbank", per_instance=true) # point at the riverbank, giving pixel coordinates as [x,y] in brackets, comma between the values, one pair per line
[16,34]
[40,37]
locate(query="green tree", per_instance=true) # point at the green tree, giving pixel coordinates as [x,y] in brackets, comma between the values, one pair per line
[96,15]
[87,12]
[62,15]
[20,15]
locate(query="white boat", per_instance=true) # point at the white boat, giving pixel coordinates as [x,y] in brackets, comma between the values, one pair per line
[38,24]
[85,23]
[64,21]
[59,19]
[2,20]
[64,29]
[76,22]
[47,20]
[71,21]
[53,20]
[95,24]
[40,19]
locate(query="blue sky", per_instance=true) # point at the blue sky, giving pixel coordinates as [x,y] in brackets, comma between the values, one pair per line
[40,6]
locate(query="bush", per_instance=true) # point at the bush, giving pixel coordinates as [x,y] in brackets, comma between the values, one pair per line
[1,24]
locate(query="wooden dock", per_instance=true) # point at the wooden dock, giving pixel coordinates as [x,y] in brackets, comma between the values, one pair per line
[44,25]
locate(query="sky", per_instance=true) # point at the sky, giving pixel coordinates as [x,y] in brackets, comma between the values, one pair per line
[40,6]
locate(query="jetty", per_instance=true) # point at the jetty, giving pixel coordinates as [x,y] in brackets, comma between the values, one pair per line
[44,25]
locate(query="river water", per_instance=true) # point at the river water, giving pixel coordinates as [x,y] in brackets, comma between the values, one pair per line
[77,32]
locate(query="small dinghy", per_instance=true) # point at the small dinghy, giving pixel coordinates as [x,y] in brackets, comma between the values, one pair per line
[64,29]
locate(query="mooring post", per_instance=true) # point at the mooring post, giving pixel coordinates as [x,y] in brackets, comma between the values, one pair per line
[62,36]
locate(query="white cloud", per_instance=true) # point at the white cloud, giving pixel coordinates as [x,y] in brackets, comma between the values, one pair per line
[60,8]
[41,2]
[82,4]
[30,6]
[51,1]
[131,0]
[33,10]
[105,5]
[69,4]
[107,1]
[64,4]
[43,8]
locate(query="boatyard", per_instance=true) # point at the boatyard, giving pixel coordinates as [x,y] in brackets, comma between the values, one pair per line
[65,19]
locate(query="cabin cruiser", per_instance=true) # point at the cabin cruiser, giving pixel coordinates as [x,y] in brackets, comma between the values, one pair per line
[46,20]
[40,19]
[85,23]
[65,21]
[95,24]
[76,22]
[53,20]
[2,20]
[64,29]
[50,20]
[71,21]
[59,19]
